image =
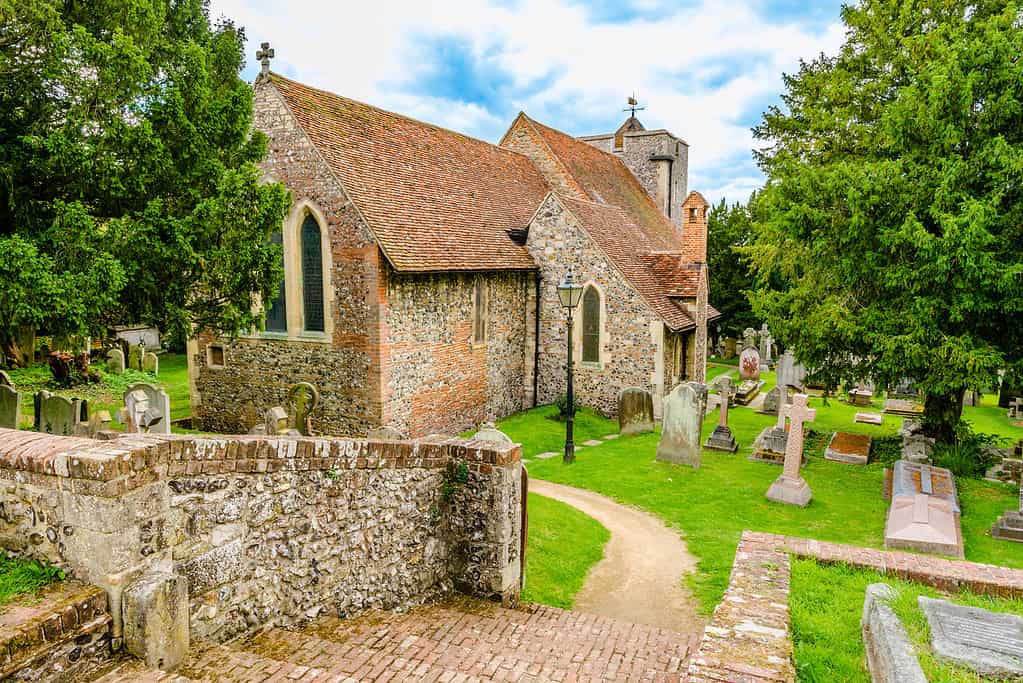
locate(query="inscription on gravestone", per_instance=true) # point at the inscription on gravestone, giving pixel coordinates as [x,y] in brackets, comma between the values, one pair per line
[986,642]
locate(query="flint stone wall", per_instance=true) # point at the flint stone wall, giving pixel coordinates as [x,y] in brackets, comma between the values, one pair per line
[267,530]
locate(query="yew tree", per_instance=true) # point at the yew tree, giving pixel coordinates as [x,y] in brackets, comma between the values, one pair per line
[128,183]
[892,217]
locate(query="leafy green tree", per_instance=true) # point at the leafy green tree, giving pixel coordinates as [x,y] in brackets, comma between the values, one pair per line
[894,205]
[729,229]
[128,183]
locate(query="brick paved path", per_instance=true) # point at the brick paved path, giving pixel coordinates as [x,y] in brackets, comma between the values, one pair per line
[459,641]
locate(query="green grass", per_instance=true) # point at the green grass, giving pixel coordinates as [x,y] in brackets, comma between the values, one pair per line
[563,544]
[714,504]
[18,577]
[715,371]
[826,603]
[109,392]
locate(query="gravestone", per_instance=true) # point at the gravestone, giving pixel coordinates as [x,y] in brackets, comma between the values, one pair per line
[773,401]
[924,511]
[861,397]
[869,418]
[1009,526]
[10,407]
[721,439]
[115,361]
[790,372]
[302,401]
[769,446]
[1011,387]
[916,446]
[971,398]
[151,363]
[135,354]
[488,431]
[903,408]
[1016,409]
[99,422]
[57,415]
[387,433]
[905,388]
[275,421]
[635,411]
[730,347]
[852,449]
[684,409]
[747,390]
[790,488]
[989,643]
[146,410]
[749,359]
[890,656]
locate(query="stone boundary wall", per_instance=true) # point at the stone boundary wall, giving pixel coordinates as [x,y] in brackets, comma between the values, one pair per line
[267,529]
[749,636]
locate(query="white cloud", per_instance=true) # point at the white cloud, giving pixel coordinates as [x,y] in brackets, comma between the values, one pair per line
[701,71]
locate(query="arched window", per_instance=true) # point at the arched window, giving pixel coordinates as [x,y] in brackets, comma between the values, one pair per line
[277,312]
[591,325]
[312,275]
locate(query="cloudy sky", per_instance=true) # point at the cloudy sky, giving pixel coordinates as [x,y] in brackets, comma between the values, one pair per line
[704,70]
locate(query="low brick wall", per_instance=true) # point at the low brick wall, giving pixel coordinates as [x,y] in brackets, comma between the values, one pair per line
[749,637]
[268,529]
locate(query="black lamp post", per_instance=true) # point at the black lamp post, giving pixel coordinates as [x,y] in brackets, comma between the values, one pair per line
[569,293]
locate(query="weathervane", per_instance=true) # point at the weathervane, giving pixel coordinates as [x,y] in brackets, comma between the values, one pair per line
[633,105]
[264,56]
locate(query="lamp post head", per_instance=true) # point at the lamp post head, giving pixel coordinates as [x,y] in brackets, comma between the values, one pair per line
[569,292]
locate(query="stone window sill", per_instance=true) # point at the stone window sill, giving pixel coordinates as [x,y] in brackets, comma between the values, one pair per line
[591,365]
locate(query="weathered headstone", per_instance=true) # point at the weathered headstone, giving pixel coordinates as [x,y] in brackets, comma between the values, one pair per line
[1009,526]
[924,511]
[151,363]
[1016,409]
[916,446]
[135,354]
[905,388]
[989,643]
[790,372]
[721,439]
[115,361]
[56,414]
[772,401]
[488,431]
[10,407]
[749,359]
[684,410]
[860,397]
[853,449]
[146,410]
[790,488]
[730,347]
[971,398]
[890,656]
[747,390]
[302,401]
[635,411]
[769,446]
[387,433]
[275,421]
[99,422]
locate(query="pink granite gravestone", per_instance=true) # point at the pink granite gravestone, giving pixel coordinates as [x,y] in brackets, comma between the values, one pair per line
[924,513]
[790,488]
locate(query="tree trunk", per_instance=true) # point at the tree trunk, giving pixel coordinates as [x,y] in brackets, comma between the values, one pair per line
[942,413]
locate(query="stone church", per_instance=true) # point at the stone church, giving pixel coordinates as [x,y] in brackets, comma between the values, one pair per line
[421,268]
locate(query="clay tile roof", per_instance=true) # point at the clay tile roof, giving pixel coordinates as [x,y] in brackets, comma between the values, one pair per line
[436,200]
[677,278]
[629,247]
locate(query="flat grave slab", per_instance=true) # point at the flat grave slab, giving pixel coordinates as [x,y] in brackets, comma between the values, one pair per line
[924,511]
[903,408]
[610,436]
[860,397]
[592,442]
[853,449]
[548,454]
[869,418]
[747,391]
[987,642]
[769,446]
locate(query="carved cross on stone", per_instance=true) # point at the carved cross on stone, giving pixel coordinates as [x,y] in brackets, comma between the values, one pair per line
[790,488]
[725,391]
[264,55]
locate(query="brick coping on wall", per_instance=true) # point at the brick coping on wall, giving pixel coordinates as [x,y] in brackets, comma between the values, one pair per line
[113,467]
[749,636]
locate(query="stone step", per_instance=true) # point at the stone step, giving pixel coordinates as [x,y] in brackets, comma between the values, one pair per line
[208,662]
[134,671]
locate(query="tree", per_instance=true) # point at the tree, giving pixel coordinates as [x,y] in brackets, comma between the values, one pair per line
[730,228]
[128,183]
[893,210]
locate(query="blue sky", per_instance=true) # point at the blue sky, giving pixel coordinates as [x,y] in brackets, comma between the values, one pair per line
[704,70]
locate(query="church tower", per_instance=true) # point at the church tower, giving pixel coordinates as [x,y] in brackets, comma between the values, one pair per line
[656,157]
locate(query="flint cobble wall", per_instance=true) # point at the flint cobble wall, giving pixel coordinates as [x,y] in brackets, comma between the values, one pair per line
[436,379]
[267,530]
[632,349]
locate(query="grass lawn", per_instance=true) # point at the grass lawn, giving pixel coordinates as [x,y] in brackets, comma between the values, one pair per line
[18,577]
[107,394]
[563,544]
[712,505]
[826,604]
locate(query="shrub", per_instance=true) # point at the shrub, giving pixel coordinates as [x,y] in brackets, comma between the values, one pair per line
[967,456]
[885,449]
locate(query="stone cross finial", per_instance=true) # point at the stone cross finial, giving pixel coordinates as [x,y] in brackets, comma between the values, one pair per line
[264,56]
[725,391]
[798,413]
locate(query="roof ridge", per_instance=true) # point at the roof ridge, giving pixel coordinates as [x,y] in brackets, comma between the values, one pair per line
[276,76]
[554,155]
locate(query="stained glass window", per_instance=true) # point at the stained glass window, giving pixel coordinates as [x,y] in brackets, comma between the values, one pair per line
[277,313]
[312,275]
[591,325]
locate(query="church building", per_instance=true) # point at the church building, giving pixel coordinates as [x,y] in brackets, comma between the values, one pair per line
[421,271]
